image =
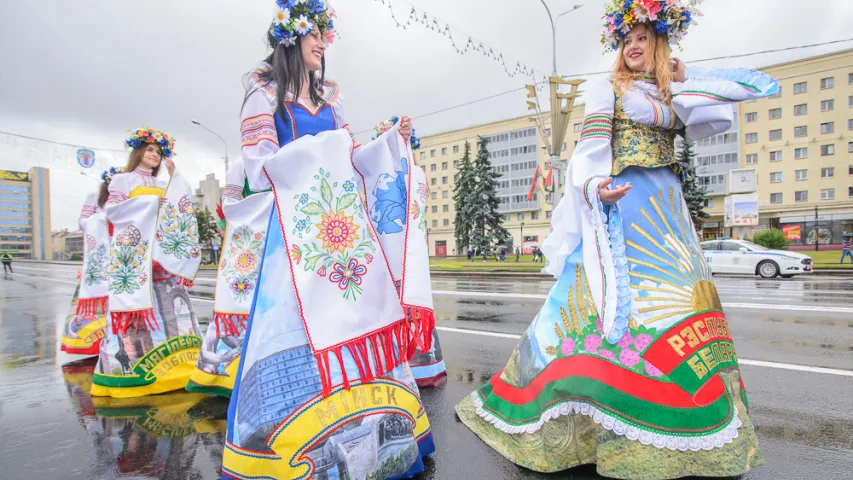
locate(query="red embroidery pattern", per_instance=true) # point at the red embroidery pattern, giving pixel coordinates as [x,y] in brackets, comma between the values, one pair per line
[254,130]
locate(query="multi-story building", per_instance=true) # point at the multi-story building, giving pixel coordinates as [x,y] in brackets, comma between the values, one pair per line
[68,245]
[25,214]
[208,194]
[801,144]
[516,148]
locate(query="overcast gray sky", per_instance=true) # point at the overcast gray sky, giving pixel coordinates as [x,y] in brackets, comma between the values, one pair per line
[86,71]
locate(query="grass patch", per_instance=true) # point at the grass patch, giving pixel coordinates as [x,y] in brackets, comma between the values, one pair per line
[827,259]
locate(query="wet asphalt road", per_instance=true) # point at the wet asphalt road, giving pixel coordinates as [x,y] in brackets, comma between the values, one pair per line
[51,429]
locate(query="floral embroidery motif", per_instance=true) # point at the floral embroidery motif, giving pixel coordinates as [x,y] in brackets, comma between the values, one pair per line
[96,265]
[177,231]
[127,270]
[337,248]
[419,210]
[240,264]
[638,144]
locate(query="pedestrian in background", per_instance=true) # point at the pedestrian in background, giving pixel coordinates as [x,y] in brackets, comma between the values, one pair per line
[7,261]
[845,251]
[517,254]
[470,254]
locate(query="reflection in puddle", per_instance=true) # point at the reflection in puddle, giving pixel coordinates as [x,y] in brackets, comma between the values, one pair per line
[157,436]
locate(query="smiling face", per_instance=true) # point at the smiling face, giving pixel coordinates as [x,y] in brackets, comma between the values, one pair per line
[634,48]
[313,49]
[151,157]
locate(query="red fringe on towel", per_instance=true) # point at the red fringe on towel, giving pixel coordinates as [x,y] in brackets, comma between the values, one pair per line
[423,323]
[91,306]
[226,323]
[388,348]
[122,321]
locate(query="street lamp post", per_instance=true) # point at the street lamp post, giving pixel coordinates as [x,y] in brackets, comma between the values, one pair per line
[427,239]
[560,111]
[196,122]
[522,238]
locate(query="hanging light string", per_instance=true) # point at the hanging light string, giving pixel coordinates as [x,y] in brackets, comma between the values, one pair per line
[431,22]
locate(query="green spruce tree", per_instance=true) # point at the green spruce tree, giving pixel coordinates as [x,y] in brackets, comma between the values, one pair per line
[462,221]
[694,194]
[482,203]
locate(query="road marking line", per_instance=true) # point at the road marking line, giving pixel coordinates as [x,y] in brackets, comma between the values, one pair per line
[744,361]
[755,306]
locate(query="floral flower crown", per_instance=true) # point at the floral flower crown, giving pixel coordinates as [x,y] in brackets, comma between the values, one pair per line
[666,17]
[148,135]
[108,174]
[299,18]
[383,127]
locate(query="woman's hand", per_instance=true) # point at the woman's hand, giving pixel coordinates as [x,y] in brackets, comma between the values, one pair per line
[679,71]
[610,197]
[170,166]
[406,127]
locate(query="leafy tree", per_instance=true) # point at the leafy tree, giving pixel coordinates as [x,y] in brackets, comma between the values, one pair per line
[694,195]
[206,227]
[482,202]
[462,224]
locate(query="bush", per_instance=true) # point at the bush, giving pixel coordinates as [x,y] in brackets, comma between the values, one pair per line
[76,257]
[774,239]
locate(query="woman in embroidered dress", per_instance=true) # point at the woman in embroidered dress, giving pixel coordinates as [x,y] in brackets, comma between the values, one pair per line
[84,326]
[323,388]
[236,283]
[152,342]
[630,363]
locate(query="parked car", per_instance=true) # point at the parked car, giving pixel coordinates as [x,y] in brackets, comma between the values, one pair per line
[740,256]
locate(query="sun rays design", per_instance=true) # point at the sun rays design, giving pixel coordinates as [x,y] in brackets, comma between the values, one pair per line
[669,275]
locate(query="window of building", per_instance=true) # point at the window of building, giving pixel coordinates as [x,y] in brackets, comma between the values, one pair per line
[826,150]
[444,165]
[751,158]
[776,156]
[444,150]
[827,82]
[827,194]
[801,152]
[435,223]
[433,167]
[534,215]
[777,94]
[444,180]
[775,113]
[775,177]
[850,170]
[578,127]
[801,131]
[432,181]
[776,134]
[850,192]
[849,147]
[519,217]
[801,174]
[850,124]
[801,196]
[564,146]
[423,155]
[547,214]
[433,195]
[850,101]
[799,88]
[547,132]
[751,117]
[827,127]
[432,153]
[827,105]
[800,110]
[435,209]
[445,208]
[751,138]
[445,194]
[709,203]
[445,222]
[455,164]
[827,172]
[456,149]
[775,198]
[850,79]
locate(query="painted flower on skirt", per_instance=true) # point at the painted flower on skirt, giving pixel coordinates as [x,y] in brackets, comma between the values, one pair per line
[301,225]
[194,252]
[322,271]
[369,258]
[567,347]
[337,231]
[343,275]
[296,254]
[303,199]
[142,278]
[348,186]
[245,262]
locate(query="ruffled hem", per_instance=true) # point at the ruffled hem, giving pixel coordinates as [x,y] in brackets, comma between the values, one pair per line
[660,440]
[623,280]
[603,243]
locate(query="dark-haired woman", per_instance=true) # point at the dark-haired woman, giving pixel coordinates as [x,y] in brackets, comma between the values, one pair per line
[152,340]
[324,388]
[84,327]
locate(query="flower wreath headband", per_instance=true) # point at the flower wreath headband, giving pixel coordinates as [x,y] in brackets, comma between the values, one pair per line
[108,174]
[148,135]
[666,17]
[300,17]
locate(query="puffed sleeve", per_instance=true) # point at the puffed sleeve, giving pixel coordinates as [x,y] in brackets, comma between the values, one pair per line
[89,207]
[235,180]
[591,163]
[702,101]
[259,140]
[119,189]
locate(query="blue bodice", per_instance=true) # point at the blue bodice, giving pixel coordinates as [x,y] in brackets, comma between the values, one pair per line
[298,121]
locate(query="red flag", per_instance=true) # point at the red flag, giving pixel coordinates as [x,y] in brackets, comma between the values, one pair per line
[549,180]
[536,175]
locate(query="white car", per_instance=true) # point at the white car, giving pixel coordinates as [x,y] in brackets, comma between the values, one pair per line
[739,256]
